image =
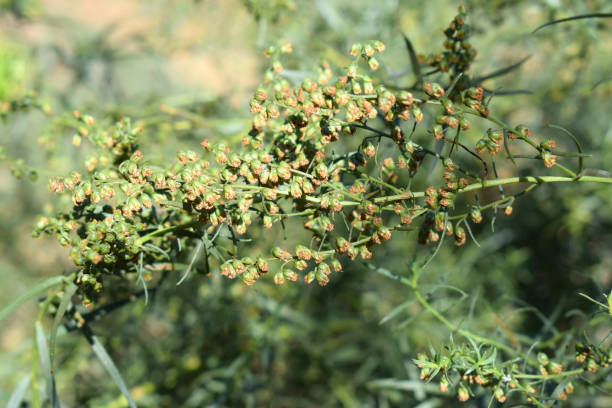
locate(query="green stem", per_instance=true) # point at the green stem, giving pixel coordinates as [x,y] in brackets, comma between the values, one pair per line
[163,231]
[566,170]
[532,179]
[563,374]
[535,180]
[464,332]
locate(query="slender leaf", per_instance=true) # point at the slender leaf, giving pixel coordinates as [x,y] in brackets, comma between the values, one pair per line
[434,252]
[61,310]
[578,146]
[507,93]
[475,346]
[389,274]
[601,81]
[500,72]
[193,259]
[140,278]
[109,365]
[579,17]
[397,310]
[45,363]
[593,300]
[490,359]
[451,87]
[31,293]
[469,230]
[19,392]
[507,149]
[414,61]
[404,385]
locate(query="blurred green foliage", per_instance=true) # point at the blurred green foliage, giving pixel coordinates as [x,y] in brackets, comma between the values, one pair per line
[214,342]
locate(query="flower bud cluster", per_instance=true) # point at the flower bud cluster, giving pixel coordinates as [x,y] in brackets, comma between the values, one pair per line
[458,52]
[467,367]
[23,104]
[312,155]
[593,357]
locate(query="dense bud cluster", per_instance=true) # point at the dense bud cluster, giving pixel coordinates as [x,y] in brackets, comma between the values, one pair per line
[468,367]
[340,163]
[458,53]
[130,212]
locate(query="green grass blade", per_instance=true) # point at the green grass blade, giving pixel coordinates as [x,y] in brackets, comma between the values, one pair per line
[414,61]
[500,72]
[593,300]
[196,252]
[31,293]
[507,149]
[109,366]
[576,142]
[61,310]
[19,392]
[45,363]
[397,310]
[579,17]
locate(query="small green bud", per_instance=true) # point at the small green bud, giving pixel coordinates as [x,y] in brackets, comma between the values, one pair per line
[475,215]
[373,63]
[355,49]
[542,358]
[437,132]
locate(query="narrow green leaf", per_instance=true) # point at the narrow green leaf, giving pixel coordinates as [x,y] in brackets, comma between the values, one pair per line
[45,363]
[140,277]
[19,392]
[451,87]
[601,81]
[193,259]
[593,300]
[434,252]
[579,17]
[31,293]
[475,346]
[158,249]
[109,366]
[389,274]
[469,230]
[414,61]
[59,315]
[507,149]
[500,72]
[509,92]
[433,374]
[490,356]
[578,146]
[397,310]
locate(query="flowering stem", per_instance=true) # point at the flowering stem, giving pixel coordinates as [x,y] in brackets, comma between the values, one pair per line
[413,284]
[163,231]
[532,179]
[535,180]
[463,332]
[570,373]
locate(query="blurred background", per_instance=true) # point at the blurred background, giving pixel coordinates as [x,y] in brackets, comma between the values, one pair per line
[185,70]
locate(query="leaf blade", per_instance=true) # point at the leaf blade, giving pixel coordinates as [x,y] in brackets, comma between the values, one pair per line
[578,17]
[109,366]
[501,71]
[414,61]
[19,392]
[31,293]
[61,310]
[45,363]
